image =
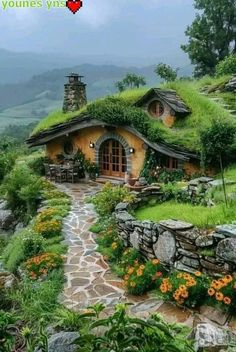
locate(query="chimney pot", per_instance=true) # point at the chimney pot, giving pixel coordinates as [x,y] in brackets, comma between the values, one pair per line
[74,93]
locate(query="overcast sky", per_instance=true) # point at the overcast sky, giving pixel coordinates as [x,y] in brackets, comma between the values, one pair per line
[125,28]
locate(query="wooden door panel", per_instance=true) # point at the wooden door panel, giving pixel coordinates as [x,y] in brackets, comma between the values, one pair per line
[113,159]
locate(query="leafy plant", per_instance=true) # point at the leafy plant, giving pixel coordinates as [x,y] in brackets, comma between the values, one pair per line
[226,66]
[222,292]
[122,333]
[7,338]
[21,246]
[106,200]
[47,228]
[166,72]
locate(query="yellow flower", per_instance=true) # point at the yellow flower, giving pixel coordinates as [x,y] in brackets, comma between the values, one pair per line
[114,245]
[155,261]
[139,272]
[142,267]
[130,271]
[180,276]
[198,273]
[132,284]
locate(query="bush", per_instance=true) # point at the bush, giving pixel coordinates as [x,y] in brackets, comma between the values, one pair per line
[7,161]
[22,191]
[226,66]
[184,288]
[129,257]
[106,200]
[47,228]
[140,278]
[22,246]
[41,265]
[54,202]
[54,193]
[36,164]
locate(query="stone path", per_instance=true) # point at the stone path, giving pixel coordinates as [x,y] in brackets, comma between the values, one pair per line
[89,279]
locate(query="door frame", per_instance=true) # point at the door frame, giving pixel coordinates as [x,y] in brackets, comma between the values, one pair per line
[113,161]
[121,140]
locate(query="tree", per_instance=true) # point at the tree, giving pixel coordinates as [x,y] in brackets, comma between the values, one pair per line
[226,66]
[212,35]
[216,141]
[166,72]
[131,80]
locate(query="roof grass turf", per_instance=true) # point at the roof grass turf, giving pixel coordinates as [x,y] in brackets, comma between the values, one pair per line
[184,133]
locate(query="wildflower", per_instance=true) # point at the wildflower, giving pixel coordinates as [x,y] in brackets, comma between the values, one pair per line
[180,276]
[228,278]
[126,277]
[142,267]
[227,300]
[211,292]
[155,261]
[132,284]
[198,273]
[139,272]
[131,270]
[114,245]
[219,296]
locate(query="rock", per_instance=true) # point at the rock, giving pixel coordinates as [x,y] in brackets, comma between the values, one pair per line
[228,230]
[176,225]
[124,216]
[142,181]
[165,247]
[205,179]
[3,204]
[187,253]
[192,263]
[226,249]
[207,335]
[188,246]
[214,314]
[204,241]
[180,266]
[7,280]
[7,220]
[134,239]
[231,85]
[190,235]
[63,342]
[121,207]
[214,267]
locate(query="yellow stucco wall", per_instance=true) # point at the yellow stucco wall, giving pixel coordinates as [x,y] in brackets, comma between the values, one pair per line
[82,139]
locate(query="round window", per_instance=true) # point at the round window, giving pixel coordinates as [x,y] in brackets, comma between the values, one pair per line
[156,108]
[68,147]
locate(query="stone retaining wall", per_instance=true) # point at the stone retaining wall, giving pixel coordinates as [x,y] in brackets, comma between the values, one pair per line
[178,244]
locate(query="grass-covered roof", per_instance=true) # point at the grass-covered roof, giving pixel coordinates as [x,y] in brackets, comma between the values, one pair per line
[119,109]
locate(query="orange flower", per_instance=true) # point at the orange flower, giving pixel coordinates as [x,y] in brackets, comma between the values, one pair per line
[228,278]
[227,300]
[130,271]
[198,273]
[155,261]
[139,272]
[211,292]
[126,277]
[219,296]
[142,267]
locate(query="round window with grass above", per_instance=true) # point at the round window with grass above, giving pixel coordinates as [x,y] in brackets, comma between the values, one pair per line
[68,147]
[156,108]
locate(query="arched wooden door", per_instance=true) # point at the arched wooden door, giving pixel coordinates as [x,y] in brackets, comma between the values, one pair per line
[113,159]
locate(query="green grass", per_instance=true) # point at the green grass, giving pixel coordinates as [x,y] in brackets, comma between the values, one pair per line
[197,215]
[185,131]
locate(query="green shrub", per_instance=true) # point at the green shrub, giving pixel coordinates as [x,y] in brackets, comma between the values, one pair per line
[129,257]
[56,248]
[22,191]
[106,200]
[54,193]
[22,246]
[7,161]
[226,66]
[36,164]
[47,228]
[58,202]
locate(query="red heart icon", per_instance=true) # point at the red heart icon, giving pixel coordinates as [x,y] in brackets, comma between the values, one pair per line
[74,5]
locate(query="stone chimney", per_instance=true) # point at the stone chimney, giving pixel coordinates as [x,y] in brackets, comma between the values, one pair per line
[74,93]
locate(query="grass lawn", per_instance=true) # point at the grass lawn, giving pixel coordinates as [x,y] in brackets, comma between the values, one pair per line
[197,215]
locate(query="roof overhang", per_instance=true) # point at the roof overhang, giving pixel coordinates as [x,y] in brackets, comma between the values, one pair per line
[86,122]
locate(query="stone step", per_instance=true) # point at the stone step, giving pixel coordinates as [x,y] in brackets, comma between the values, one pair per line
[114,181]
